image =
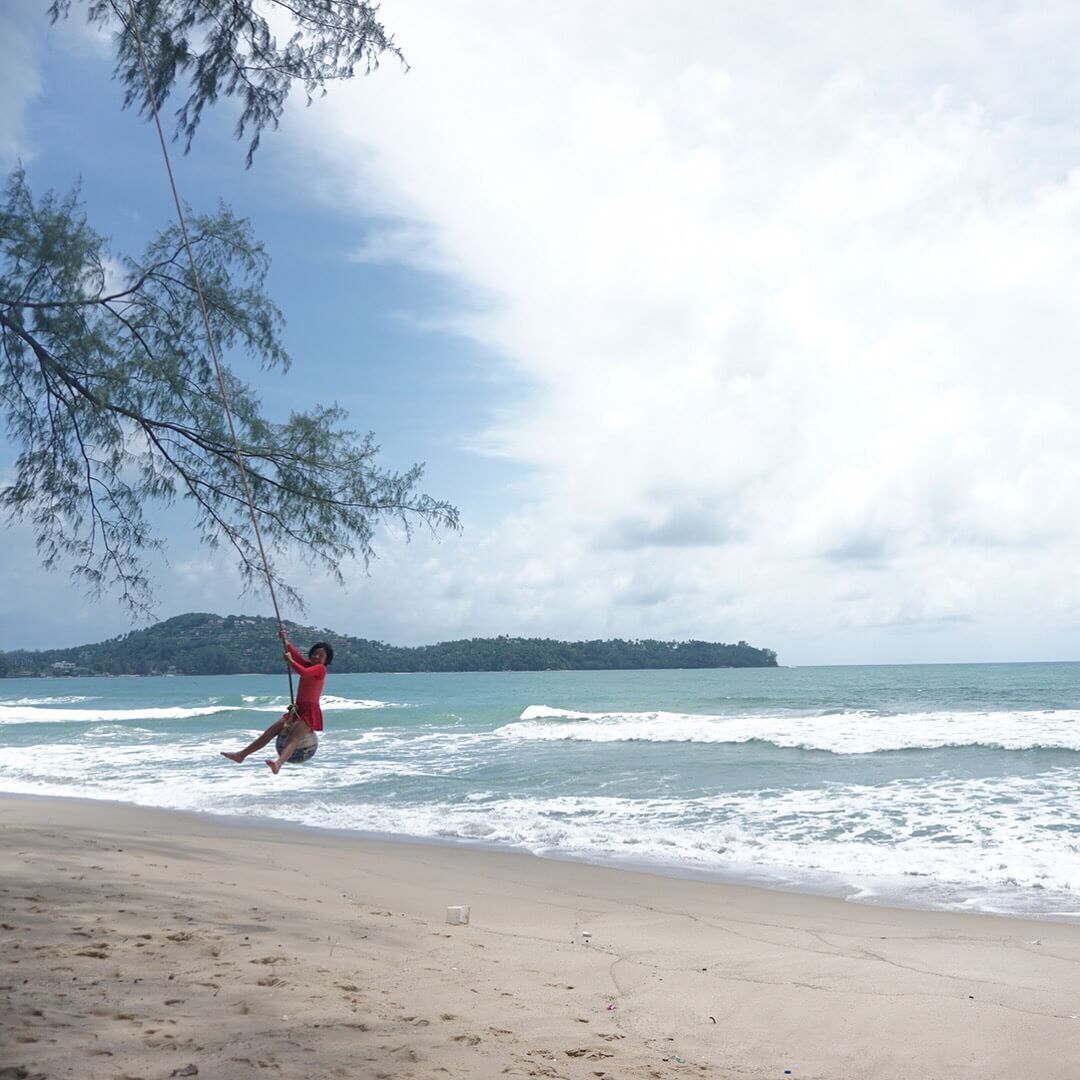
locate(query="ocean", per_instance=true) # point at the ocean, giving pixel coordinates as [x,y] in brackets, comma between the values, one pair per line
[939,786]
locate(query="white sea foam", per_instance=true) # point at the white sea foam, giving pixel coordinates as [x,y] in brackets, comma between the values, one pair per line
[66,699]
[1007,841]
[21,714]
[330,702]
[996,831]
[983,839]
[856,732]
[33,711]
[188,773]
[980,838]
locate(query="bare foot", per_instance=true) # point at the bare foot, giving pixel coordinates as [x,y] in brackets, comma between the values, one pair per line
[237,757]
[274,766]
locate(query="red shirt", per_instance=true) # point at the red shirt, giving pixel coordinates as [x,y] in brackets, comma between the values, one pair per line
[312,677]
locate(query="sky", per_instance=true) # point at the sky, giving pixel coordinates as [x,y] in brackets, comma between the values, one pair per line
[725,322]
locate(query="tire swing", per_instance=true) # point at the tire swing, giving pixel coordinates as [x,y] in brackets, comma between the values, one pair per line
[305,751]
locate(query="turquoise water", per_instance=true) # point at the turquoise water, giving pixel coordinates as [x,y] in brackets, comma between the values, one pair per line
[952,786]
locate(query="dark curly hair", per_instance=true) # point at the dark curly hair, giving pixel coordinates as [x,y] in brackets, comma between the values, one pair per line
[323,645]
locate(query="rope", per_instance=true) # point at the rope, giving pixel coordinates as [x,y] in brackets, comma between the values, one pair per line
[209,332]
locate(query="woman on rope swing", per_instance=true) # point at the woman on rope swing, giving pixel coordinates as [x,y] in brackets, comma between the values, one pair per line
[304,718]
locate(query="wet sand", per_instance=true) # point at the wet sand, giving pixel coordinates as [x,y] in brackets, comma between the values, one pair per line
[138,942]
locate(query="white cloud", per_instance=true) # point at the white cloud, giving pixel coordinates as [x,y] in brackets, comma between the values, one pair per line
[794,292]
[26,33]
[797,293]
[20,81]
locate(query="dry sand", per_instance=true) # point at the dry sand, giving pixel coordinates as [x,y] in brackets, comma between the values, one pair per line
[138,942]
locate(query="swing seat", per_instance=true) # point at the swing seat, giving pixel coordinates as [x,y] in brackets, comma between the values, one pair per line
[304,752]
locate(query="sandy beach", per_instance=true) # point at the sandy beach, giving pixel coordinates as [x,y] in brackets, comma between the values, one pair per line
[142,943]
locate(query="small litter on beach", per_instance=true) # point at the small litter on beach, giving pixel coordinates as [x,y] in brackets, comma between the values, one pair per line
[187,1070]
[457,916]
[611,1005]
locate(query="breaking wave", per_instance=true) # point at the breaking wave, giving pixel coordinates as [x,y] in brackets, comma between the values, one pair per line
[856,732]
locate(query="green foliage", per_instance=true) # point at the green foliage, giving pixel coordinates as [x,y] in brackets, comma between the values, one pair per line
[227,48]
[221,645]
[108,389]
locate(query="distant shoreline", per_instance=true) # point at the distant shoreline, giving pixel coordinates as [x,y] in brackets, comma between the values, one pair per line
[202,643]
[432,671]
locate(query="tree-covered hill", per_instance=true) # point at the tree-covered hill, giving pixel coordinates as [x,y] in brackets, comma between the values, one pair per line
[224,645]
